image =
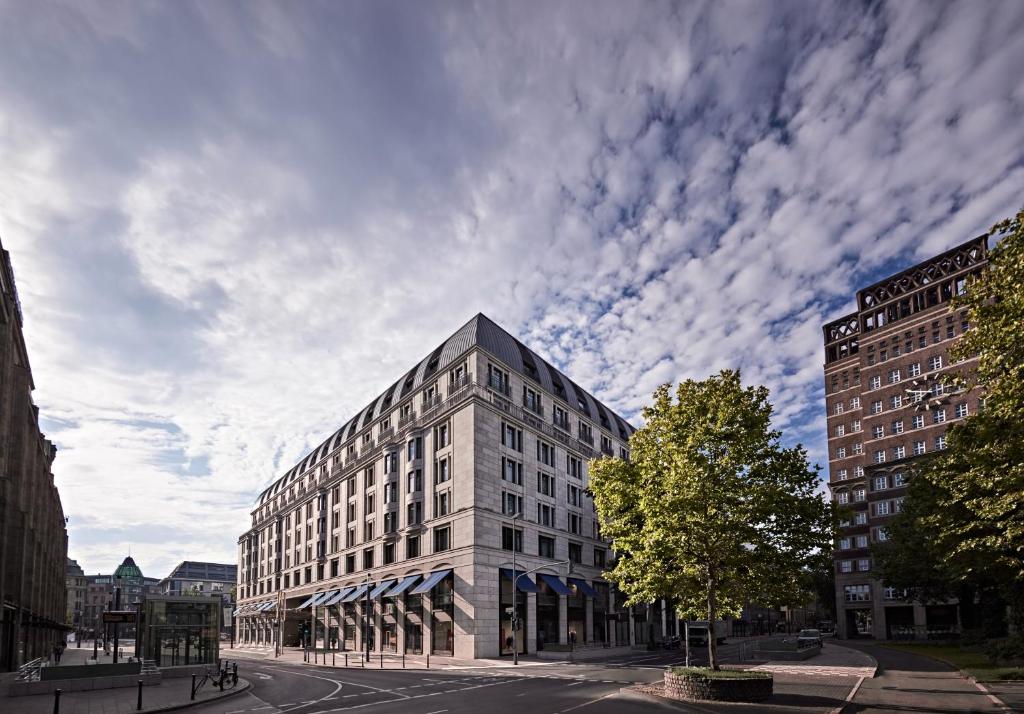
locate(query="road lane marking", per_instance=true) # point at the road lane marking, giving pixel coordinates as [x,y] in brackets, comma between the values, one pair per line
[586,704]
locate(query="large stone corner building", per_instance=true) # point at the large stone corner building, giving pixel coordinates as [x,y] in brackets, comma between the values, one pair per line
[403,518]
[886,405]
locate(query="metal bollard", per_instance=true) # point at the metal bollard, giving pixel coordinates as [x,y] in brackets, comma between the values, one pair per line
[382,659]
[428,660]
[403,660]
[193,687]
[334,661]
[56,701]
[346,660]
[139,704]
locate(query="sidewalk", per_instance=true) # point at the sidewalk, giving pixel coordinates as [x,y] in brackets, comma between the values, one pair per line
[833,661]
[356,660]
[172,693]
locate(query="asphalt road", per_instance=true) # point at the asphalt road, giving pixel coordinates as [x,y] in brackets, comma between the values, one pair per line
[551,689]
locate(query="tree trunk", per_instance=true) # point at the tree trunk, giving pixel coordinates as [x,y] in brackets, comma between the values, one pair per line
[712,638]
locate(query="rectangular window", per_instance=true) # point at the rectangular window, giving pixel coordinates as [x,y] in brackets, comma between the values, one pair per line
[442,539]
[440,436]
[414,513]
[863,565]
[861,541]
[415,480]
[441,472]
[856,425]
[961,410]
[940,442]
[545,453]
[586,432]
[897,426]
[880,456]
[545,515]
[840,430]
[573,466]
[841,475]
[511,503]
[545,483]
[512,539]
[894,376]
[938,416]
[882,508]
[842,497]
[575,553]
[389,553]
[845,566]
[511,436]
[838,409]
[860,494]
[914,369]
[880,483]
[935,362]
[414,449]
[855,403]
[896,401]
[390,521]
[918,448]
[412,546]
[442,503]
[841,452]
[898,479]
[858,471]
[860,518]
[844,544]
[918,421]
[858,448]
[876,382]
[497,379]
[876,407]
[545,547]
[560,417]
[899,452]
[511,471]
[878,432]
[350,563]
[572,495]
[368,531]
[574,523]
[531,400]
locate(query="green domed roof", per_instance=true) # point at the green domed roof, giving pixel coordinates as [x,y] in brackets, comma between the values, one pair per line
[127,569]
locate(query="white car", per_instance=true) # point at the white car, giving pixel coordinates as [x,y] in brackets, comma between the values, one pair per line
[807,637]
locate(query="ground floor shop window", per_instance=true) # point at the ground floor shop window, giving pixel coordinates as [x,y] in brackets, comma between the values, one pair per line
[505,631]
[858,623]
[349,626]
[548,621]
[413,624]
[601,626]
[576,614]
[442,623]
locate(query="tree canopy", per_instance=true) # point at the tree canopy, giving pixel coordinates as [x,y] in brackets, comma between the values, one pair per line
[710,511]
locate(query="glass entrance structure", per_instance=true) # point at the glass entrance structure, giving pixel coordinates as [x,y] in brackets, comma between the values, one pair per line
[180,631]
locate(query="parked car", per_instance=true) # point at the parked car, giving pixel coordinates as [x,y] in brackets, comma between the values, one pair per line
[698,632]
[809,637]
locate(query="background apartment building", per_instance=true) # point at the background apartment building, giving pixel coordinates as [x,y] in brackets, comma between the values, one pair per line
[77,589]
[886,405]
[193,577]
[403,518]
[33,537]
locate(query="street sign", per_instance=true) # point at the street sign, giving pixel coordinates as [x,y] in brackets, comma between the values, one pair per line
[119,617]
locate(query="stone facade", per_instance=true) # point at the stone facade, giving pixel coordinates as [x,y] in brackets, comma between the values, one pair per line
[748,689]
[885,403]
[77,587]
[425,480]
[33,538]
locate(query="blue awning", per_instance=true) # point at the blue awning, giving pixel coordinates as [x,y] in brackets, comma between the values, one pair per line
[379,590]
[524,583]
[319,598]
[555,584]
[584,587]
[357,593]
[268,606]
[430,581]
[327,596]
[406,583]
[309,601]
[337,597]
[235,613]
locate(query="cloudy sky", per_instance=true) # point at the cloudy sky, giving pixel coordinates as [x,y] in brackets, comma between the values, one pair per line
[233,224]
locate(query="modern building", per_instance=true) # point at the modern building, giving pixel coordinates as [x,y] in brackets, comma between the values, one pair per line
[77,586]
[886,404]
[99,591]
[33,535]
[193,577]
[402,522]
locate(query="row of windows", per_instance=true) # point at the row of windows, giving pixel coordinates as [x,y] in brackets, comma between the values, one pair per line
[512,540]
[938,416]
[938,334]
[862,593]
[863,565]
[898,452]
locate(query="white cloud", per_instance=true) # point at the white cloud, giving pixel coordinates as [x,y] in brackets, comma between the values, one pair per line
[234,225]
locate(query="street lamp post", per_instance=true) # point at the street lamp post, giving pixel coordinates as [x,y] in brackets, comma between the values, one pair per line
[515,586]
[117,606]
[515,612]
[366,619]
[138,623]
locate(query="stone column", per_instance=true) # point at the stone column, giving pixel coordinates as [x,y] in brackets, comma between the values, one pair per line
[428,622]
[563,620]
[399,601]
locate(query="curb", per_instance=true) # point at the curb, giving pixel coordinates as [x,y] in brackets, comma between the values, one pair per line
[874,662]
[243,685]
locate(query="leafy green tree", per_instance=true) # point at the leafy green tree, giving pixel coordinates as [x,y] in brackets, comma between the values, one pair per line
[711,511]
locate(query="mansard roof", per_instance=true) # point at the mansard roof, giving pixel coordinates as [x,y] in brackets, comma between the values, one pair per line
[481,332]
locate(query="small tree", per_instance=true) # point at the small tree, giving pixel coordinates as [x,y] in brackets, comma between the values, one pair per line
[710,510]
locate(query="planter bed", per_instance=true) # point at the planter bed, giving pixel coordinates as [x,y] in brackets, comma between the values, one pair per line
[700,684]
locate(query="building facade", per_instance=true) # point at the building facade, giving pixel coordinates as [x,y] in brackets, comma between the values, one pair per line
[397,532]
[77,589]
[99,590]
[193,577]
[33,537]
[886,405]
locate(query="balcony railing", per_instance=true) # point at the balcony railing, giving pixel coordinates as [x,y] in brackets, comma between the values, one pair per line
[499,385]
[537,409]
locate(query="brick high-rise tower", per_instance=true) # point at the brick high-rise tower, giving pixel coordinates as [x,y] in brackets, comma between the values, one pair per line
[886,405]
